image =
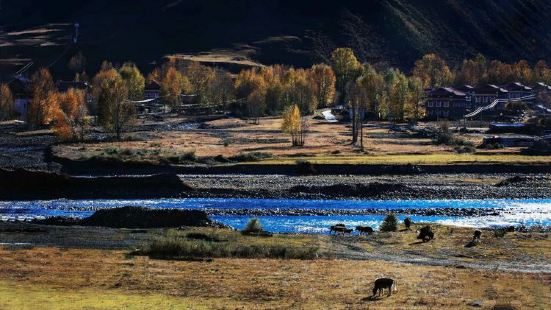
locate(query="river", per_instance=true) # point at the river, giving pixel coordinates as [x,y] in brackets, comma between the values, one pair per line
[307,216]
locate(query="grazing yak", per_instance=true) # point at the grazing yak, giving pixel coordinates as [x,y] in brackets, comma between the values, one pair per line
[340,228]
[477,234]
[407,223]
[425,234]
[384,283]
[364,230]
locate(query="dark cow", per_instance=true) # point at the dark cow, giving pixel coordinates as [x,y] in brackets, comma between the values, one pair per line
[384,283]
[339,228]
[407,223]
[425,234]
[476,235]
[364,230]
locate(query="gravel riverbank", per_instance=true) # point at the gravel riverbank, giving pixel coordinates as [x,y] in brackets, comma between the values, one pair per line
[421,186]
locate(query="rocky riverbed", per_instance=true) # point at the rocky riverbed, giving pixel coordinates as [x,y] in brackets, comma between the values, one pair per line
[420,186]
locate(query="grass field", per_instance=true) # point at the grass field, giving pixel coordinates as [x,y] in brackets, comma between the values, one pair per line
[62,278]
[91,279]
[325,143]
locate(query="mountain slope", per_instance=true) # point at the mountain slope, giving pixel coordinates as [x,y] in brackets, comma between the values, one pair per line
[272,31]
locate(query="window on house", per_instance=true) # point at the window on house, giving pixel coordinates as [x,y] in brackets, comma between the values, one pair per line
[438,104]
[446,104]
[430,104]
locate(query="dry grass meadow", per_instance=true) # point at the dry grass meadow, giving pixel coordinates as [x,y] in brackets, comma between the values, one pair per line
[93,279]
[325,143]
[72,278]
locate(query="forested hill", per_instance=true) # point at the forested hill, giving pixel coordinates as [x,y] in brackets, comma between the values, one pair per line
[296,32]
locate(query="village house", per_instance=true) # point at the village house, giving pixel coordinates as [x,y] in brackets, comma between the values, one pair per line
[486,94]
[517,90]
[454,103]
[20,89]
[152,90]
[541,88]
[447,103]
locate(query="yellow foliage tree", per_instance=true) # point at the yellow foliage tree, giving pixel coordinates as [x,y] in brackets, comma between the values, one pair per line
[433,71]
[173,84]
[39,108]
[346,67]
[294,125]
[7,104]
[110,93]
[69,114]
[323,82]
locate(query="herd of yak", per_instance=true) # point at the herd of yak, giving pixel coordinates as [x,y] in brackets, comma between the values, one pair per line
[425,234]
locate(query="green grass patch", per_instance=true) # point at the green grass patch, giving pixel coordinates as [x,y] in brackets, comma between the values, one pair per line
[218,244]
[19,296]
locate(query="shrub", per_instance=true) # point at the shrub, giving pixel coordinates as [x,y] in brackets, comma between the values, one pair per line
[500,232]
[254,156]
[111,151]
[464,149]
[390,223]
[227,141]
[305,167]
[202,236]
[446,138]
[183,158]
[173,246]
[127,152]
[253,227]
[491,144]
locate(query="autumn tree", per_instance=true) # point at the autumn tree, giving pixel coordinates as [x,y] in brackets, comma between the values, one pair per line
[365,96]
[542,73]
[135,81]
[432,71]
[173,85]
[322,79]
[7,103]
[39,108]
[201,79]
[70,114]
[298,90]
[500,73]
[251,88]
[256,105]
[355,97]
[415,108]
[473,71]
[346,67]
[110,92]
[523,72]
[398,92]
[294,125]
[221,88]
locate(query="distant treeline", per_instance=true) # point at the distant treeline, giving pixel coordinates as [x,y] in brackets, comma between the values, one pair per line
[383,92]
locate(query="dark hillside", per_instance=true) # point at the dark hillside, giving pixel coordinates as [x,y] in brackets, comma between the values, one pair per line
[272,31]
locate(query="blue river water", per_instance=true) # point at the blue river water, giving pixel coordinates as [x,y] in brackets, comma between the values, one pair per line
[510,212]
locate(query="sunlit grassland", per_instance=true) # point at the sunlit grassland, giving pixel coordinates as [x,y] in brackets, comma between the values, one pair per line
[36,296]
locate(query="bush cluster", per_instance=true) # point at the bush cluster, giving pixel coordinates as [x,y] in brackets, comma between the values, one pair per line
[211,247]
[390,223]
